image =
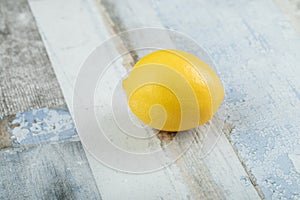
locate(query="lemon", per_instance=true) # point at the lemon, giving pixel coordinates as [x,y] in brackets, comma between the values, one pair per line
[172,90]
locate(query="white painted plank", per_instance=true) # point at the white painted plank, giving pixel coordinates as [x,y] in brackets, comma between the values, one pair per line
[71,30]
[68,45]
[219,175]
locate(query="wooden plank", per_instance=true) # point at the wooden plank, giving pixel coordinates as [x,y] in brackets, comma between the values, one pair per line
[217,176]
[262,144]
[67,53]
[29,170]
[41,157]
[257,53]
[52,171]
[27,80]
[80,44]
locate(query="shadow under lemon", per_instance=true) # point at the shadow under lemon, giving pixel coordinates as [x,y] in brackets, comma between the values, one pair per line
[172,91]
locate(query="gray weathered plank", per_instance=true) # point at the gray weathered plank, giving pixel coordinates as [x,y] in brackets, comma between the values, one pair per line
[30,167]
[27,80]
[51,171]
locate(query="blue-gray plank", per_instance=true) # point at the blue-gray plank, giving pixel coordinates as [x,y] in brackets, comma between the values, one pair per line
[257,52]
[50,171]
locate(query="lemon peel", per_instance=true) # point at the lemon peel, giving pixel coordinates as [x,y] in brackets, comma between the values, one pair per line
[173,90]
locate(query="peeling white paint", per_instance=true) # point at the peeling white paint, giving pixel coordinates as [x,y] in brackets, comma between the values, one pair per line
[20,134]
[295,158]
[42,125]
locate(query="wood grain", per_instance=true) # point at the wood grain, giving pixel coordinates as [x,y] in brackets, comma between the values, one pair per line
[52,171]
[30,167]
[256,50]
[219,175]
[5,136]
[27,80]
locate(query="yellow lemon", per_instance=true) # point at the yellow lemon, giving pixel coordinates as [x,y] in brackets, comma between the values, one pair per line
[173,90]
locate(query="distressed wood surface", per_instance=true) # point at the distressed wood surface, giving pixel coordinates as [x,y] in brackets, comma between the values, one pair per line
[51,171]
[220,175]
[257,52]
[36,127]
[41,157]
[67,57]
[291,9]
[257,59]
[27,80]
[31,167]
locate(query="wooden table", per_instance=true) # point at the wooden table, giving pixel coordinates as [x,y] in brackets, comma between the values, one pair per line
[256,48]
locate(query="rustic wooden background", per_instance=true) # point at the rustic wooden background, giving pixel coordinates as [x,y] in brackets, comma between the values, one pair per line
[256,47]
